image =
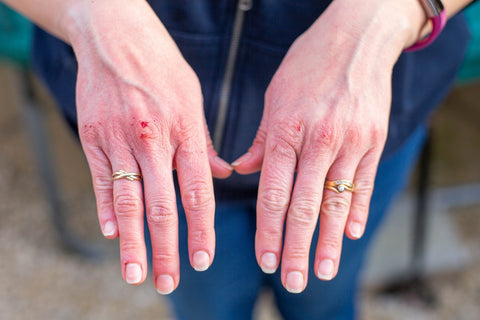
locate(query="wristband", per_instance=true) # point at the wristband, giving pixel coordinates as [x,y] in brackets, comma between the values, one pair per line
[435,12]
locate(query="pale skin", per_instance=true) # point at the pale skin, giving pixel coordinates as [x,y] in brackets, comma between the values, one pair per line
[140,109]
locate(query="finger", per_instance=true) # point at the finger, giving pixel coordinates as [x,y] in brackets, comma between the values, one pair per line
[128,202]
[196,187]
[251,161]
[101,171]
[302,218]
[364,181]
[220,168]
[275,186]
[162,220]
[334,211]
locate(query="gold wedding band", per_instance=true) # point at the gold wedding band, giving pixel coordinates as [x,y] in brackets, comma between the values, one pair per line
[132,176]
[339,186]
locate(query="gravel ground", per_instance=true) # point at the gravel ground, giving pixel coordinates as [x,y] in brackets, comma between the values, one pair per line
[39,280]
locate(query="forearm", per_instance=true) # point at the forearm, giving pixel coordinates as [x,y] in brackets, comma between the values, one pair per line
[70,20]
[384,26]
[418,18]
[49,14]
[454,6]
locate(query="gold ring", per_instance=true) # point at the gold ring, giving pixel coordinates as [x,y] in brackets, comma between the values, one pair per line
[127,175]
[339,186]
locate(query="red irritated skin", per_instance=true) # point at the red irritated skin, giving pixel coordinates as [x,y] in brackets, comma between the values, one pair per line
[326,117]
[140,109]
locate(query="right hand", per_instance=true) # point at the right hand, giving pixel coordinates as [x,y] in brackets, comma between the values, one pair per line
[140,110]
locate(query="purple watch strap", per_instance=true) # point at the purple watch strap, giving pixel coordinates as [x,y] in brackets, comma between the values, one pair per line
[438,23]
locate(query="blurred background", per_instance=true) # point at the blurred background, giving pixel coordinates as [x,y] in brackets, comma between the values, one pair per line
[54,263]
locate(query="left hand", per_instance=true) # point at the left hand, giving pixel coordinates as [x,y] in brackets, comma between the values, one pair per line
[326,117]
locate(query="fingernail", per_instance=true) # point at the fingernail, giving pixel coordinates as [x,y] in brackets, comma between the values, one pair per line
[241,159]
[269,262]
[223,163]
[133,273]
[295,282]
[165,284]
[108,229]
[325,269]
[356,230]
[201,261]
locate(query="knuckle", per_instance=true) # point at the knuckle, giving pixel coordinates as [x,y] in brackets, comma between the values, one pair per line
[363,191]
[359,211]
[330,243]
[354,137]
[127,204]
[297,253]
[185,129]
[378,134]
[270,236]
[274,200]
[197,197]
[130,246]
[289,133]
[325,135]
[103,192]
[337,207]
[163,258]
[103,183]
[150,133]
[190,145]
[360,208]
[199,236]
[364,186]
[304,212]
[160,212]
[283,149]
[89,133]
[104,206]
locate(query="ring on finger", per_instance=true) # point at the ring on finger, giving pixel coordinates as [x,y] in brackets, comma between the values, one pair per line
[132,176]
[339,186]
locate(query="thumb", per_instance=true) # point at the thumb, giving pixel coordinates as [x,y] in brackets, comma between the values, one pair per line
[220,168]
[251,161]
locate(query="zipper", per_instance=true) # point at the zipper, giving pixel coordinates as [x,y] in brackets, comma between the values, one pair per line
[242,7]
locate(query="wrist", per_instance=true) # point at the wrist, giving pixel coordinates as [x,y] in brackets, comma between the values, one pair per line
[123,39]
[416,22]
[385,24]
[401,22]
[76,20]
[384,27]
[67,23]
[437,17]
[86,21]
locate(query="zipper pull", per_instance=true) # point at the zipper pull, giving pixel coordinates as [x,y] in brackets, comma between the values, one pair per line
[245,5]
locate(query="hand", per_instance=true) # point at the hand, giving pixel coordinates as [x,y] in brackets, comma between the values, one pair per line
[326,117]
[140,110]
